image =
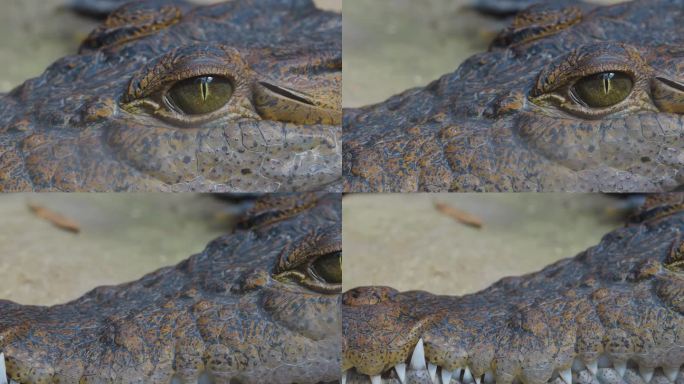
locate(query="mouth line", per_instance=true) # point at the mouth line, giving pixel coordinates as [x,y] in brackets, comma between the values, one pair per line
[418,365]
[204,378]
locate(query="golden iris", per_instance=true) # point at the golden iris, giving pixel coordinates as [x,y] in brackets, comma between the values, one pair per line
[202,94]
[603,89]
[329,267]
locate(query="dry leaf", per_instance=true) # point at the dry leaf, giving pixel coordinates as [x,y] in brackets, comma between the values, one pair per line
[462,216]
[55,218]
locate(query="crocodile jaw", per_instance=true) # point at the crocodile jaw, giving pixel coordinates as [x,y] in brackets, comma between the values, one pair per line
[612,313]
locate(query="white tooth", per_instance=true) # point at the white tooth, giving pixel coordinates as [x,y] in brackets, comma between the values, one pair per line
[3,371]
[593,367]
[376,379]
[620,367]
[343,380]
[671,373]
[418,357]
[432,370]
[467,376]
[401,372]
[446,376]
[489,377]
[646,373]
[477,379]
[566,375]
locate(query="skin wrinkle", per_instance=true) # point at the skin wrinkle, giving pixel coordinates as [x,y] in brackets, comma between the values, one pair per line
[97,93]
[554,132]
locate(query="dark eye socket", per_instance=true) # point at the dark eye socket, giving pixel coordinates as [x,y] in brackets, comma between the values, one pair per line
[200,95]
[328,268]
[602,89]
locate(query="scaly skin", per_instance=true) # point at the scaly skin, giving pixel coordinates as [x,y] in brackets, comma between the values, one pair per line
[97,121]
[622,300]
[505,120]
[235,313]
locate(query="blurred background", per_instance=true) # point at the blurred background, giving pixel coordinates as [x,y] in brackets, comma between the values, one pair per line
[394,45]
[35,33]
[432,242]
[54,247]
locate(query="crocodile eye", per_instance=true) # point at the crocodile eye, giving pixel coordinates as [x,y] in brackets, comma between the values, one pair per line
[328,268]
[200,95]
[602,89]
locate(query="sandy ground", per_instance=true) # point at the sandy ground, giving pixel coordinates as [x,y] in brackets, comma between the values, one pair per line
[35,33]
[393,45]
[123,236]
[402,241]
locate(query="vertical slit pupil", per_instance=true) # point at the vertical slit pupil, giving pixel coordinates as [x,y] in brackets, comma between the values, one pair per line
[607,77]
[204,86]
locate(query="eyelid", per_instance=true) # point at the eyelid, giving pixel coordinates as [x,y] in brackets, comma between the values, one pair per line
[187,62]
[308,249]
[587,61]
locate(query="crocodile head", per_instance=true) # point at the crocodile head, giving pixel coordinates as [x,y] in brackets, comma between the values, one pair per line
[239,96]
[614,314]
[569,97]
[261,305]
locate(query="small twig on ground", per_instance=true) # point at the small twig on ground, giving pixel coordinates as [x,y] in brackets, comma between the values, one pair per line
[461,216]
[55,218]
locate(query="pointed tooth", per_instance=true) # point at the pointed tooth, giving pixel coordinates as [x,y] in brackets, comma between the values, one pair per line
[343,380]
[620,366]
[593,367]
[566,375]
[646,373]
[671,373]
[467,375]
[432,370]
[418,357]
[478,379]
[446,376]
[401,372]
[376,379]
[3,371]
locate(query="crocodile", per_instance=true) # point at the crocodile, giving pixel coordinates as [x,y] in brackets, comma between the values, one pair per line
[259,305]
[614,314]
[569,97]
[240,96]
